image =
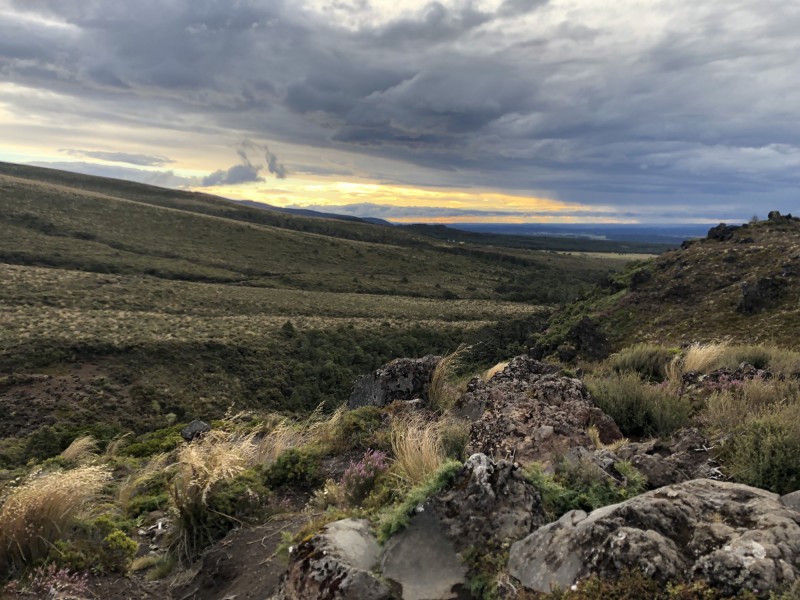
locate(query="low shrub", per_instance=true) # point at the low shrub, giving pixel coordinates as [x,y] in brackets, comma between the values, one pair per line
[359,429]
[582,485]
[454,437]
[639,409]
[648,360]
[359,478]
[296,467]
[765,451]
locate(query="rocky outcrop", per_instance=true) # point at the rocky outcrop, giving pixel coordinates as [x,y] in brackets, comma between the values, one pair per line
[762,294]
[530,412]
[194,430]
[488,504]
[665,462]
[335,564]
[722,232]
[732,536]
[400,379]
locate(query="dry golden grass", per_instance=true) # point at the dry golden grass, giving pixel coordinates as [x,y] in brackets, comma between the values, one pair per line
[42,510]
[215,457]
[702,358]
[115,445]
[492,371]
[728,409]
[319,428]
[417,448]
[81,448]
[442,392]
[594,435]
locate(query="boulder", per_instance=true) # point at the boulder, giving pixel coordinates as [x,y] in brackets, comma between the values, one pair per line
[335,564]
[733,536]
[792,500]
[487,505]
[529,412]
[422,561]
[195,429]
[683,457]
[400,379]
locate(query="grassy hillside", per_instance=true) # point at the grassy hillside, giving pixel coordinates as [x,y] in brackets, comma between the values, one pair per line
[129,308]
[740,284]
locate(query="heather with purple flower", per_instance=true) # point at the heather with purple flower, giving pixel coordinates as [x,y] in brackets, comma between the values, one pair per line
[359,478]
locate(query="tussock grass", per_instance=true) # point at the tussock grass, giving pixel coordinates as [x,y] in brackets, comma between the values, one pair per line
[115,445]
[492,371]
[81,448]
[443,393]
[594,435]
[130,486]
[702,358]
[201,465]
[417,448]
[42,510]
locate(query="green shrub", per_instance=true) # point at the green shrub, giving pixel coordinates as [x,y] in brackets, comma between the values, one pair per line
[358,430]
[582,485]
[640,409]
[149,444]
[296,468]
[765,451]
[648,360]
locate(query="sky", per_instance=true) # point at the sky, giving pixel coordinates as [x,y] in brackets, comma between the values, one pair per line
[649,111]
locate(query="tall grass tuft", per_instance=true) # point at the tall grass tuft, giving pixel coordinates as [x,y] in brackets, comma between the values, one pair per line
[216,457]
[81,448]
[417,448]
[492,371]
[41,511]
[443,393]
[702,358]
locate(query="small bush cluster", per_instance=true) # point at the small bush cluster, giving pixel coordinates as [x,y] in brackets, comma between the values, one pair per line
[359,478]
[638,408]
[648,360]
[582,485]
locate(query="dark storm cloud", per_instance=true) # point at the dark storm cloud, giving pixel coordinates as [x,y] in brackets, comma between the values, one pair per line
[627,102]
[142,160]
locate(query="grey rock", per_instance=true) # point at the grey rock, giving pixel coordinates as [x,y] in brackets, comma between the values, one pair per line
[488,504]
[530,413]
[732,536]
[683,457]
[400,379]
[422,560]
[335,564]
[792,500]
[195,429]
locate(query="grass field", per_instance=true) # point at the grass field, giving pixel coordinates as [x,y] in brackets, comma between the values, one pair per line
[126,307]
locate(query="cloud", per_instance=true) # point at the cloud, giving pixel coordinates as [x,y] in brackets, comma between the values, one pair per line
[628,103]
[159,178]
[142,160]
[254,159]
